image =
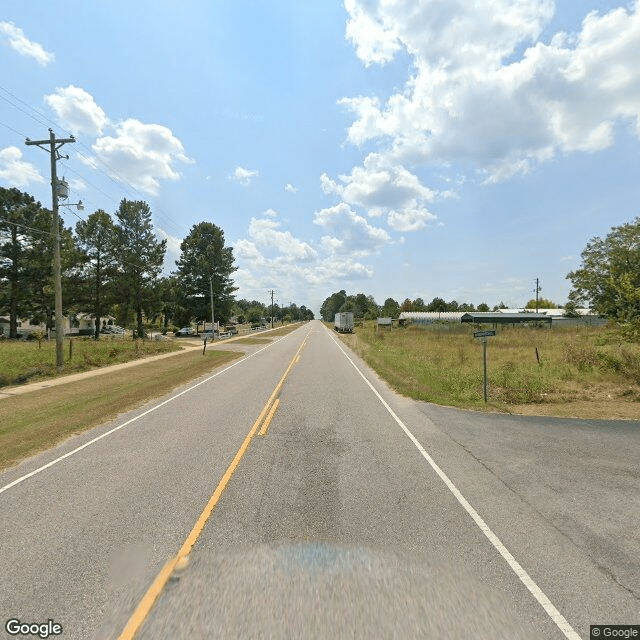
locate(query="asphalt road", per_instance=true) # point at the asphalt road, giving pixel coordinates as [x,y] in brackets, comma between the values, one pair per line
[359,514]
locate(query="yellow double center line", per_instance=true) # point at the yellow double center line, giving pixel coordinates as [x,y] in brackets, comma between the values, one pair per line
[149,598]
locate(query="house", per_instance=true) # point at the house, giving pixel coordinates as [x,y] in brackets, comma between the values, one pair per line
[79,324]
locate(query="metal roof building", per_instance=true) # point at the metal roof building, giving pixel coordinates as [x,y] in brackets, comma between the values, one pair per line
[495,317]
[428,317]
[504,316]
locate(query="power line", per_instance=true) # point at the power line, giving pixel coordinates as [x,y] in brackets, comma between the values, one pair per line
[24,226]
[26,113]
[12,129]
[26,104]
[120,180]
[93,162]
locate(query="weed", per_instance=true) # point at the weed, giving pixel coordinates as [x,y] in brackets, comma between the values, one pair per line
[443,364]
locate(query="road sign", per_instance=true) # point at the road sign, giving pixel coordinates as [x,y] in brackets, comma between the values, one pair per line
[484,334]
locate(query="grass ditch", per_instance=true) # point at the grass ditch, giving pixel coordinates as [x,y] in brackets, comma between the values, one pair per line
[22,362]
[35,421]
[584,372]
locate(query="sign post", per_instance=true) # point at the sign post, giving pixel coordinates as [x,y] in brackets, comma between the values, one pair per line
[484,335]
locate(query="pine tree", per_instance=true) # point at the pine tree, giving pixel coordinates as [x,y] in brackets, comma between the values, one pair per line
[95,238]
[204,256]
[25,256]
[138,257]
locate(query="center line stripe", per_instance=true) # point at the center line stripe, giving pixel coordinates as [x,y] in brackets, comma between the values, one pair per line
[267,422]
[150,597]
[134,419]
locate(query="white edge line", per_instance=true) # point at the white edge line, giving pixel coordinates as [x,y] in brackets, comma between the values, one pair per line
[128,422]
[525,578]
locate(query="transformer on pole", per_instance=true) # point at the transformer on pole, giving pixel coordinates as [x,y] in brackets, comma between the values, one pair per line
[59,188]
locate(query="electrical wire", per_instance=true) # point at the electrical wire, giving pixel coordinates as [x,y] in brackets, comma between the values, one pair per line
[24,226]
[12,129]
[110,173]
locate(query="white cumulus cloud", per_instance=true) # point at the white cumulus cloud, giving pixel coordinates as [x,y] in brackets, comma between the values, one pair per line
[270,255]
[77,111]
[16,172]
[382,188]
[351,233]
[486,91]
[141,154]
[289,188]
[244,176]
[20,43]
[266,233]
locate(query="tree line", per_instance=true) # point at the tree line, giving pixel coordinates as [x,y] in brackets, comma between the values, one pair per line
[365,307]
[607,281]
[112,265]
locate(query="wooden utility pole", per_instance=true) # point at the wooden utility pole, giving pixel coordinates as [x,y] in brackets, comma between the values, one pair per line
[272,308]
[537,291]
[54,144]
[213,325]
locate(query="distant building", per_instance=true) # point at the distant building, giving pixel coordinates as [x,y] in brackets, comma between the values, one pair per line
[557,317]
[80,324]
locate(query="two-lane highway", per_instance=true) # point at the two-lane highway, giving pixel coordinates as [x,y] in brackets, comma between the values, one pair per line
[293,494]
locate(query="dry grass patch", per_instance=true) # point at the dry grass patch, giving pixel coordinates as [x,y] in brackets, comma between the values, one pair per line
[37,420]
[587,371]
[252,341]
[283,331]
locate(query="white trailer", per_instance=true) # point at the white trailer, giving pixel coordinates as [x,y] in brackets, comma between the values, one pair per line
[343,322]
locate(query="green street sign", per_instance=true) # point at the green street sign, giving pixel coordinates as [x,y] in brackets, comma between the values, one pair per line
[483,334]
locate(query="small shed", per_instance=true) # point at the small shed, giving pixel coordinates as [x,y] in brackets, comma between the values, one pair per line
[384,322]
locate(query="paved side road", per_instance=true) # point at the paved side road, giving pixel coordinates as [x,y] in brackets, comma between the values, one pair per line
[356,515]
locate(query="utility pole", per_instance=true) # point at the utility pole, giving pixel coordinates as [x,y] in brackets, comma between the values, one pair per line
[272,308]
[537,291]
[213,330]
[54,144]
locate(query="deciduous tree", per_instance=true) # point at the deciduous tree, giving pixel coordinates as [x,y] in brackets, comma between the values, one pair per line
[609,276]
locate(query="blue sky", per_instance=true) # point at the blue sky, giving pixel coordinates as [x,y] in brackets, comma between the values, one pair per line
[405,148]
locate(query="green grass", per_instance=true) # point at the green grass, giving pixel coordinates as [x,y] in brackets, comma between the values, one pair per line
[22,362]
[39,419]
[443,364]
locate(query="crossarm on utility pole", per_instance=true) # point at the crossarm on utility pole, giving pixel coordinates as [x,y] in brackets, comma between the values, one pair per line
[57,270]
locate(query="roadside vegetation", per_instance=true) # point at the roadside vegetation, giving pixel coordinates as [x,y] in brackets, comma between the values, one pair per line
[38,420]
[29,361]
[585,372]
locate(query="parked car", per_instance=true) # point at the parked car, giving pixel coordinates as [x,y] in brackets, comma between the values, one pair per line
[185,331]
[113,329]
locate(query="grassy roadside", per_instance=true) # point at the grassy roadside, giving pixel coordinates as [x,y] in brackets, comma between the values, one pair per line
[579,372]
[36,421]
[22,362]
